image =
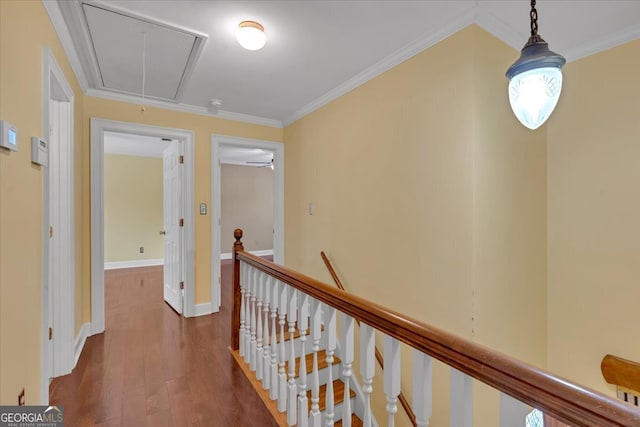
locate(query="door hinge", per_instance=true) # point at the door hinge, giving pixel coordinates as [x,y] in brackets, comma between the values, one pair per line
[50,231]
[181,222]
[181,285]
[50,333]
[181,160]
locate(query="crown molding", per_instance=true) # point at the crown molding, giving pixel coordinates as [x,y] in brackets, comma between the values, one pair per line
[59,25]
[500,29]
[385,64]
[617,39]
[516,39]
[183,108]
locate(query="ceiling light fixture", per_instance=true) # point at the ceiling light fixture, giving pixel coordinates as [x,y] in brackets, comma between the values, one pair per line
[251,35]
[535,79]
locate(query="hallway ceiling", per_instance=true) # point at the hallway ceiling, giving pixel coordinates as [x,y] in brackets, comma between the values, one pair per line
[315,51]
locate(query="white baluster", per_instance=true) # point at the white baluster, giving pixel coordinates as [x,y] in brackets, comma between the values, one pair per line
[422,383]
[243,290]
[259,329]
[367,368]
[461,399]
[512,411]
[254,299]
[266,355]
[391,376]
[303,325]
[275,289]
[247,316]
[316,334]
[330,329]
[347,349]
[293,388]
[282,356]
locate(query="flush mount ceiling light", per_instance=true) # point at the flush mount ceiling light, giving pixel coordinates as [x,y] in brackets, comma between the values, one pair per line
[535,79]
[251,35]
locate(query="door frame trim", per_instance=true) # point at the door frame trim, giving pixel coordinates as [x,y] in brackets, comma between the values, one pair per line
[61,348]
[98,128]
[278,203]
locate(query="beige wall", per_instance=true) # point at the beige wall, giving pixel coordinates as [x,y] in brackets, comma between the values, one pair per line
[430,198]
[24,29]
[509,223]
[133,210]
[594,215]
[246,203]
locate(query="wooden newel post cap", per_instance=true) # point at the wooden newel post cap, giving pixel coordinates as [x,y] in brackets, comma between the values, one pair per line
[237,234]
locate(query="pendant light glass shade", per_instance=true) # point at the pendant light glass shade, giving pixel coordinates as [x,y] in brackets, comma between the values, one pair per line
[534,94]
[535,79]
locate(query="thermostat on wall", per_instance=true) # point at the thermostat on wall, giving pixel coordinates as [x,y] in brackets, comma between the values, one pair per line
[39,151]
[8,135]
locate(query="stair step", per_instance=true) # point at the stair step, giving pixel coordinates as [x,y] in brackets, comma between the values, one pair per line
[322,362]
[338,393]
[355,422]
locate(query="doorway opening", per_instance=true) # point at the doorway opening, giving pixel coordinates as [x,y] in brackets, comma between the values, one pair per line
[182,142]
[234,150]
[142,208]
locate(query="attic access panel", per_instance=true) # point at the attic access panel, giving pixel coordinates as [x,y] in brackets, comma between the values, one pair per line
[119,43]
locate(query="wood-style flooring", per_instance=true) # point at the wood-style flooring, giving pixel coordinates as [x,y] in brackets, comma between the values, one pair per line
[154,368]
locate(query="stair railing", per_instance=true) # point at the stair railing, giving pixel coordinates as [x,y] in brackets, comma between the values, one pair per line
[401,397]
[625,375]
[521,386]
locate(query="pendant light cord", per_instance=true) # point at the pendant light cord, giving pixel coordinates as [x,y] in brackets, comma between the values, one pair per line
[534,19]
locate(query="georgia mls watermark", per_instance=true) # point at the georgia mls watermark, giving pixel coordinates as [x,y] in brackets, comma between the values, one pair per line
[31,416]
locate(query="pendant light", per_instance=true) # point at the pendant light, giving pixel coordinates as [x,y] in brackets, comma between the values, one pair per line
[535,79]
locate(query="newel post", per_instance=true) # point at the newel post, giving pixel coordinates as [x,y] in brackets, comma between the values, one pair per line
[235,315]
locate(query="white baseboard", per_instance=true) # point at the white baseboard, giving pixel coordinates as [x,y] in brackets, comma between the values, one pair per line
[265,252]
[203,309]
[83,334]
[132,264]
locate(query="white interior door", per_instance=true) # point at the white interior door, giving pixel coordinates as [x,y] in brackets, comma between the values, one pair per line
[173,226]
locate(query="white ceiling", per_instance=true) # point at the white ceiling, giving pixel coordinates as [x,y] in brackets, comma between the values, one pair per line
[134,145]
[316,50]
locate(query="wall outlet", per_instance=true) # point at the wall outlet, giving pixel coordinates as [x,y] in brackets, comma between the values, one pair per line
[141,249]
[21,400]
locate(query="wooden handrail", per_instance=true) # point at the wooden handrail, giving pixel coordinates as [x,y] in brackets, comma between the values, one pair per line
[566,401]
[401,397]
[621,372]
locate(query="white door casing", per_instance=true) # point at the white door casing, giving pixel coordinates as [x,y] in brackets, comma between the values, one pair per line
[98,128]
[173,241]
[58,254]
[278,203]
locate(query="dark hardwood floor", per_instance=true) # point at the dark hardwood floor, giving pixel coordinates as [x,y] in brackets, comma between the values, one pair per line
[152,367]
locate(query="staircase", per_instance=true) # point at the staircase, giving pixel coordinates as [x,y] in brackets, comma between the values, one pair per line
[286,338]
[273,378]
